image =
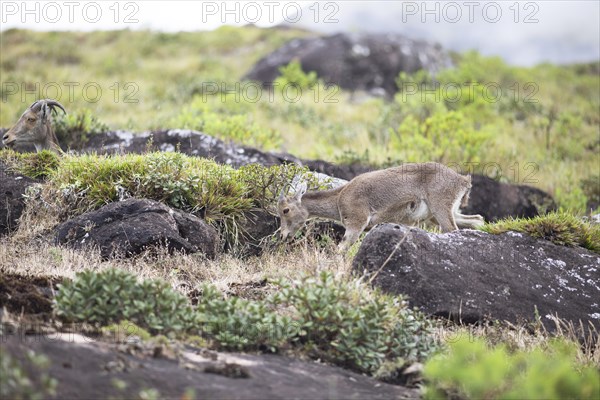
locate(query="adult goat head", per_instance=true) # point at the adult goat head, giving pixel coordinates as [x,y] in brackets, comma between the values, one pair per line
[35,127]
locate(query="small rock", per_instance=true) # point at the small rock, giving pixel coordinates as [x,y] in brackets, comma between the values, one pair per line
[131,226]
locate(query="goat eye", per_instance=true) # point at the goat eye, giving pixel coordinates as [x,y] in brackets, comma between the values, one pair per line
[286,210]
[31,119]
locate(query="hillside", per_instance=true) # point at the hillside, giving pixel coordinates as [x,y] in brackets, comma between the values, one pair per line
[536,125]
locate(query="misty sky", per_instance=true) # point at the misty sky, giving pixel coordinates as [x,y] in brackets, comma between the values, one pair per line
[523,33]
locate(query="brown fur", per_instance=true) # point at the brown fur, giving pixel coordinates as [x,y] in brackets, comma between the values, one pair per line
[35,127]
[407,194]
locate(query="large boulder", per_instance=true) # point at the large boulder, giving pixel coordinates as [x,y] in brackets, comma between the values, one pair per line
[471,275]
[496,200]
[86,368]
[354,61]
[131,226]
[12,202]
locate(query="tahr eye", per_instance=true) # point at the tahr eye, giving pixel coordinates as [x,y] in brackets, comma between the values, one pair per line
[286,210]
[31,119]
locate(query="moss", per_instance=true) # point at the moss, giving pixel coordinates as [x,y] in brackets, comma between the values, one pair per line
[34,165]
[561,228]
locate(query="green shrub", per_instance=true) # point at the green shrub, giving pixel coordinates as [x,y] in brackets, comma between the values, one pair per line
[16,383]
[238,324]
[443,137]
[351,325]
[114,295]
[561,228]
[293,74]
[471,370]
[342,321]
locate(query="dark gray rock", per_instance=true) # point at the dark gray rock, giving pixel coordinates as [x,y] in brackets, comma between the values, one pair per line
[347,172]
[355,61]
[471,275]
[188,142]
[256,227]
[133,225]
[86,369]
[12,203]
[496,200]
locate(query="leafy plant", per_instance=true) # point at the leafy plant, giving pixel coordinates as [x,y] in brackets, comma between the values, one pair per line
[345,322]
[471,370]
[351,325]
[114,295]
[444,137]
[293,74]
[238,324]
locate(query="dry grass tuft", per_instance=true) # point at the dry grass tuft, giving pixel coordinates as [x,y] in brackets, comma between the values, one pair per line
[184,272]
[524,337]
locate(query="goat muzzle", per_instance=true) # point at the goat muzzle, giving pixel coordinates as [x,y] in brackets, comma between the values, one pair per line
[7,141]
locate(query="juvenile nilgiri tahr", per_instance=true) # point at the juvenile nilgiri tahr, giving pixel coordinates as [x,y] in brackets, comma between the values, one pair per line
[406,194]
[35,127]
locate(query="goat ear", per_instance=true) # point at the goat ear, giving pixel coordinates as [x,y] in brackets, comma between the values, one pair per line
[300,191]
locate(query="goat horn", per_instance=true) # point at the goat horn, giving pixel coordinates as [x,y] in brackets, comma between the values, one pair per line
[53,103]
[37,105]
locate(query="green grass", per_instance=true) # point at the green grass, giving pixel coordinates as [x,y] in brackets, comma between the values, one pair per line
[144,76]
[561,228]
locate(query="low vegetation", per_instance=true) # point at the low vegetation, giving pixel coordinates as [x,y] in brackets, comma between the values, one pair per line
[328,317]
[471,369]
[561,228]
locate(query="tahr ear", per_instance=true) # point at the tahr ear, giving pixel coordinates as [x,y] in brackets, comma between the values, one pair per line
[300,191]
